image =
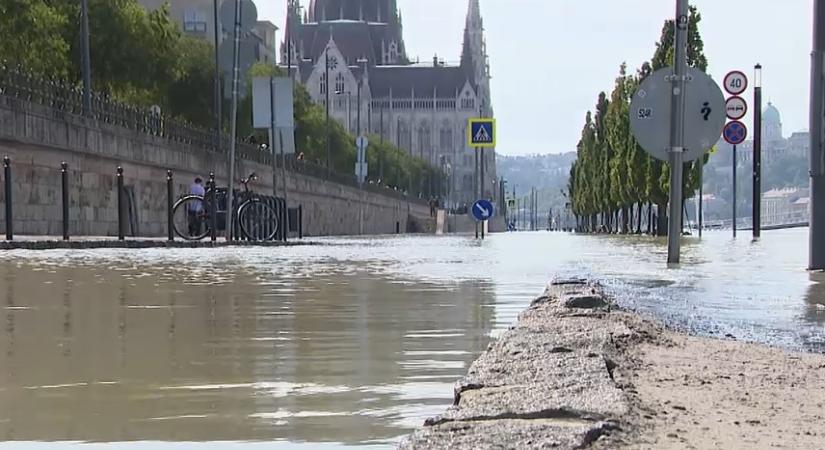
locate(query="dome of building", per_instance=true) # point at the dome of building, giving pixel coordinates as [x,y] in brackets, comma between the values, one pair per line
[771,114]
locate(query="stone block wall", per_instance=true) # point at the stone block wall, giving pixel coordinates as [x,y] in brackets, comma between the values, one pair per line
[38,139]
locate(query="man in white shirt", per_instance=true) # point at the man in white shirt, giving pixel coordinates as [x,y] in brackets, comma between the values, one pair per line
[196,208]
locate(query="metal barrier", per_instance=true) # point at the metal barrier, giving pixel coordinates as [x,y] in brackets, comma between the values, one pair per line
[64,175]
[121,233]
[7,181]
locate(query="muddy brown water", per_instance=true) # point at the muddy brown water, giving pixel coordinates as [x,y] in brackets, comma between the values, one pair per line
[351,343]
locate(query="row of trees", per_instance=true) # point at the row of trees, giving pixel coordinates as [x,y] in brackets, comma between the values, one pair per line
[613,178]
[143,58]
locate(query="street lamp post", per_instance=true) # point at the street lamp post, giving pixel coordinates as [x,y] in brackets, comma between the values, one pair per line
[86,59]
[817,153]
[326,91]
[217,87]
[757,152]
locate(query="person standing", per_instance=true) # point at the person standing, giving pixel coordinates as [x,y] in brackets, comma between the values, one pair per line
[196,209]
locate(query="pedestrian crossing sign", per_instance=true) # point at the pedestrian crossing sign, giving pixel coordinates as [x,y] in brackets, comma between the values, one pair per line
[481,133]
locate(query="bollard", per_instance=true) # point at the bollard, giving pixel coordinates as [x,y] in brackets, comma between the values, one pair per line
[300,221]
[7,180]
[120,204]
[170,217]
[64,174]
[213,208]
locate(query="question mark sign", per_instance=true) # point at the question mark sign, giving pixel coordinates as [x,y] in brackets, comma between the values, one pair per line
[706,111]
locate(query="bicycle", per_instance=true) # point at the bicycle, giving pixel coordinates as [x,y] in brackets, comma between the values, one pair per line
[256,220]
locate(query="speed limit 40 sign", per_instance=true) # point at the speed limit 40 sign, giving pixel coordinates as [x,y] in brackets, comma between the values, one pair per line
[736,82]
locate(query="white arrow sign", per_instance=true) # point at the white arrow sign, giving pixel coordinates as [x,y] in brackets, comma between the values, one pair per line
[484,212]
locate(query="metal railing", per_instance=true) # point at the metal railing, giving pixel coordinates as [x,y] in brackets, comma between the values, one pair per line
[17,82]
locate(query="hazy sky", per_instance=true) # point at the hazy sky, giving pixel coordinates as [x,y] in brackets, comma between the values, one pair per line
[550,58]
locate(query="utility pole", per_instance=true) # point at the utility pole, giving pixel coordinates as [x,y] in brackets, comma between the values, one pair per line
[234,127]
[757,152]
[217,88]
[326,90]
[86,59]
[817,211]
[677,133]
[735,163]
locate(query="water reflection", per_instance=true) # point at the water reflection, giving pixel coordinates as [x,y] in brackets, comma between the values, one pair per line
[94,353]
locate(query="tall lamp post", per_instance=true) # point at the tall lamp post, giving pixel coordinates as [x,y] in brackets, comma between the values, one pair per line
[217,88]
[757,152]
[817,152]
[326,91]
[86,59]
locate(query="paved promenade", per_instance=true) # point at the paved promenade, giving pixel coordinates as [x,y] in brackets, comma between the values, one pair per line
[94,242]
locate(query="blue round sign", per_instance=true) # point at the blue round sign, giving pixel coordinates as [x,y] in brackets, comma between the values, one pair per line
[483,210]
[735,132]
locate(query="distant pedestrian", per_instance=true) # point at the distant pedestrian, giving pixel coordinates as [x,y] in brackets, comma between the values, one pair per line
[195,209]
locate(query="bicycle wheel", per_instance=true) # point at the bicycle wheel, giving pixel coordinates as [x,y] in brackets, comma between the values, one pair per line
[258,221]
[191,218]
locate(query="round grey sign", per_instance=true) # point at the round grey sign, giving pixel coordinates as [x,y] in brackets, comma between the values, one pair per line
[704,114]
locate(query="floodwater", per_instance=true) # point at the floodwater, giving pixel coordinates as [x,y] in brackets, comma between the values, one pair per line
[350,343]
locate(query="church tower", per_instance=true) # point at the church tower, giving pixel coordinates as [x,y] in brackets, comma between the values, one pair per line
[474,59]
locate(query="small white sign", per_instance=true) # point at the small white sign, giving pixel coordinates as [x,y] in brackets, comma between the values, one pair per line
[736,82]
[736,108]
[362,142]
[262,103]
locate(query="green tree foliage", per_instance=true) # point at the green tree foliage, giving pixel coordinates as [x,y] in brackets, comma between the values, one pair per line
[32,36]
[613,173]
[142,58]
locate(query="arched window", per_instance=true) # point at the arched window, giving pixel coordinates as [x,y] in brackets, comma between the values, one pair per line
[324,83]
[404,136]
[339,83]
[446,138]
[424,143]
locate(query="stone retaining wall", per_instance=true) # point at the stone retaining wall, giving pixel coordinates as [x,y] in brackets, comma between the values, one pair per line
[38,139]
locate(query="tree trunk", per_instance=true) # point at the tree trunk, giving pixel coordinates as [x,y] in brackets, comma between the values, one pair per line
[650,218]
[625,219]
[661,220]
[639,208]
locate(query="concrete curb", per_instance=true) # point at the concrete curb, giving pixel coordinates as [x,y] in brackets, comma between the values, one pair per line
[546,383]
[132,244]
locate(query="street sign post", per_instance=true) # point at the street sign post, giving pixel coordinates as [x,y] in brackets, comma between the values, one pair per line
[361,166]
[483,210]
[481,133]
[735,132]
[736,108]
[736,82]
[650,114]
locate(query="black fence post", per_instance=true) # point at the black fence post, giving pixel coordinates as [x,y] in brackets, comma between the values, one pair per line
[64,175]
[170,195]
[213,207]
[7,180]
[300,221]
[120,205]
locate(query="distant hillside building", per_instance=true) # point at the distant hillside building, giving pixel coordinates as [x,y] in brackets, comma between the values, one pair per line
[774,144]
[422,108]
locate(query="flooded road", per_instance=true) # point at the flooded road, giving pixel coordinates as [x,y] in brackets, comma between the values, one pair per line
[350,343]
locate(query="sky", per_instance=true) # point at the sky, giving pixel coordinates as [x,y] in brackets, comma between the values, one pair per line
[550,58]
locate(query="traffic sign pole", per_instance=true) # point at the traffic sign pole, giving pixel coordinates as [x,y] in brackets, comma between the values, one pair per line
[677,134]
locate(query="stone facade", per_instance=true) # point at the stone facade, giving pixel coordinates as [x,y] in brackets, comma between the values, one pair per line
[352,55]
[38,139]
